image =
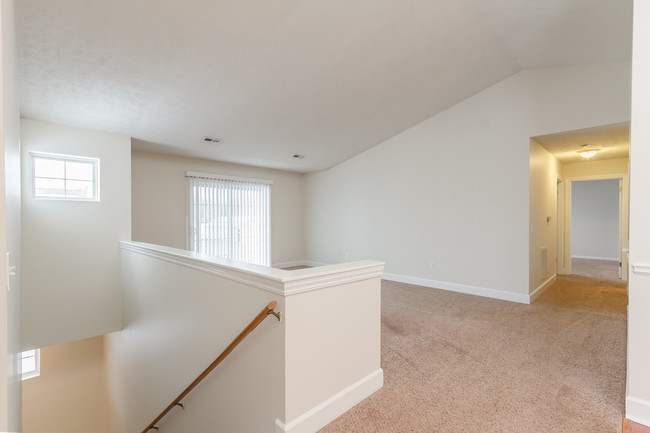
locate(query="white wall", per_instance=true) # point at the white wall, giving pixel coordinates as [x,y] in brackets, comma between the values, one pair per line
[594,219]
[70,251]
[9,225]
[638,374]
[70,393]
[544,172]
[454,189]
[160,202]
[177,320]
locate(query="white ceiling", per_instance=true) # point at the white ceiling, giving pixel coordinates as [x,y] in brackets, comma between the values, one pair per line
[327,79]
[613,141]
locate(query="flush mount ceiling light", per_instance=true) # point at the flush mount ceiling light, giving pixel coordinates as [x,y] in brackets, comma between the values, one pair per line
[214,140]
[587,152]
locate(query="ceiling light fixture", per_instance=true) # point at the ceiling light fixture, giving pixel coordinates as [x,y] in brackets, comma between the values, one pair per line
[214,140]
[588,153]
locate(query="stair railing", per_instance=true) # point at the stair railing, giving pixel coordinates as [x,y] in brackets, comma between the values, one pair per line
[268,310]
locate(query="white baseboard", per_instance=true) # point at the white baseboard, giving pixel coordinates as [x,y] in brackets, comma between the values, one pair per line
[453,287]
[637,410]
[326,412]
[608,259]
[542,288]
[461,288]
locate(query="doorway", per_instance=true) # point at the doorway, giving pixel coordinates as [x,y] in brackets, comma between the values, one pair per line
[595,226]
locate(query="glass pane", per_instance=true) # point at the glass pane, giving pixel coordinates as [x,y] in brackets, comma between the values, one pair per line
[44,167]
[49,187]
[28,353]
[28,364]
[79,189]
[79,170]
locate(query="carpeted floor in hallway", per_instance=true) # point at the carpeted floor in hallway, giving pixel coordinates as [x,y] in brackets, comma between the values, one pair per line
[462,363]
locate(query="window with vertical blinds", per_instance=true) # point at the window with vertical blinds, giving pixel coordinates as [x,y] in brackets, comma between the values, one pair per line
[230,217]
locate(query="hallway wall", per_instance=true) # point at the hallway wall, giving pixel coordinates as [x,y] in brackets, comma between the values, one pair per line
[544,172]
[594,219]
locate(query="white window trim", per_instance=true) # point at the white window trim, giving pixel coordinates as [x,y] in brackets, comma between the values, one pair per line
[45,155]
[37,371]
[225,177]
[213,176]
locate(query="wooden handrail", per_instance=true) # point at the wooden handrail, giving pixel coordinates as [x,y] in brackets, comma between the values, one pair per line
[247,330]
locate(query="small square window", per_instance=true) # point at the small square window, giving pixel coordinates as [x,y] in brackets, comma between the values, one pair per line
[65,177]
[30,363]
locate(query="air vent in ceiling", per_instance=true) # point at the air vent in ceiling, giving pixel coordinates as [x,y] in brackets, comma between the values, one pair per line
[214,140]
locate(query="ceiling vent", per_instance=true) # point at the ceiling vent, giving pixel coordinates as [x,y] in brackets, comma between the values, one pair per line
[214,140]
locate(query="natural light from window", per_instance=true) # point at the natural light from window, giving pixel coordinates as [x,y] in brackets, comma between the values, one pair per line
[230,218]
[30,363]
[65,177]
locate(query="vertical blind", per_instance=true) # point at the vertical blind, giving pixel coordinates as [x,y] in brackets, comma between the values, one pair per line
[230,218]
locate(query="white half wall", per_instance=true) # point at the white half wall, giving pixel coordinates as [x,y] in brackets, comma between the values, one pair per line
[160,201]
[638,375]
[177,320]
[448,199]
[70,249]
[181,309]
[594,219]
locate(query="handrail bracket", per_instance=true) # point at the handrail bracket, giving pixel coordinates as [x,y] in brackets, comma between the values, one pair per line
[269,309]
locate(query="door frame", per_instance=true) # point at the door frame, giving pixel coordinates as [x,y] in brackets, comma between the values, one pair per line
[564,223]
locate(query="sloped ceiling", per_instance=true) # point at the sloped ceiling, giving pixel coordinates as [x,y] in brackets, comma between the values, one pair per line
[326,79]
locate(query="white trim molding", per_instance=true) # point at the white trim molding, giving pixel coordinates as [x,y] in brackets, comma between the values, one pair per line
[299,263]
[542,288]
[273,280]
[606,259]
[641,268]
[225,177]
[284,265]
[461,288]
[326,412]
[637,410]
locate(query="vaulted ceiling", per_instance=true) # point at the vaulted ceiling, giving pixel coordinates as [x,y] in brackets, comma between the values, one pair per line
[325,79]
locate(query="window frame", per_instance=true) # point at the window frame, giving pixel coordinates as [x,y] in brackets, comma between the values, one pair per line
[190,175]
[94,162]
[24,375]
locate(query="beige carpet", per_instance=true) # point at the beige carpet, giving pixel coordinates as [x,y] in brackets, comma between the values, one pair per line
[461,363]
[601,269]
